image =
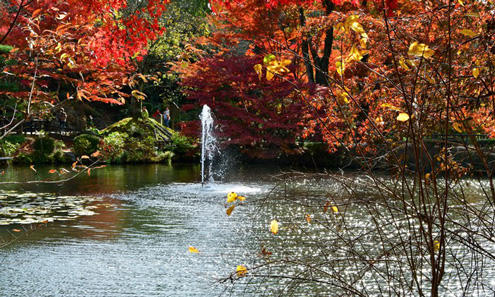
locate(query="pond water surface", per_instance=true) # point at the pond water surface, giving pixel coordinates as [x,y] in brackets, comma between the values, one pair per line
[136,243]
[126,230]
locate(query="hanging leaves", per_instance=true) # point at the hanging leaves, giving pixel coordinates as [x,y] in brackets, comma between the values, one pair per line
[230,210]
[193,250]
[403,117]
[274,227]
[241,271]
[420,50]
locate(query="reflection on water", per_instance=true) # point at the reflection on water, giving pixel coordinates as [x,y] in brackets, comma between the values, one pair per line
[137,242]
[146,217]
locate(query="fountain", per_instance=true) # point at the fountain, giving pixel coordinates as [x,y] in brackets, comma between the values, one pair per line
[208,144]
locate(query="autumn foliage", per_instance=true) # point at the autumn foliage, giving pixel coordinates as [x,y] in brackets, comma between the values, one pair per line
[84,49]
[360,73]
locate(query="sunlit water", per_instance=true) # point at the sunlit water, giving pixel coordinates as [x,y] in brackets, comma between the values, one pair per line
[145,218]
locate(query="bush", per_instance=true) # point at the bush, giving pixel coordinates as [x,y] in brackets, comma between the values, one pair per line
[112,147]
[7,148]
[180,144]
[23,159]
[86,144]
[15,138]
[59,157]
[44,145]
[140,150]
[38,157]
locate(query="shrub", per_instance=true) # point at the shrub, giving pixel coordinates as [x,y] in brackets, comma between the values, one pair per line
[86,144]
[180,144]
[112,147]
[38,157]
[15,138]
[23,159]
[7,148]
[44,145]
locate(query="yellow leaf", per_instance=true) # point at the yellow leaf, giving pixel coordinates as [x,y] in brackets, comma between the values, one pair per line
[16,230]
[193,250]
[231,197]
[84,157]
[335,209]
[356,27]
[403,64]
[355,54]
[403,117]
[274,227]
[340,66]
[241,198]
[420,50]
[229,210]
[467,32]
[457,127]
[32,168]
[390,106]
[308,218]
[258,68]
[285,62]
[436,245]
[476,72]
[269,74]
[241,270]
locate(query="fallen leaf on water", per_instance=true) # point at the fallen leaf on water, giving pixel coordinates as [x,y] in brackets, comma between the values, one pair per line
[32,168]
[193,250]
[16,230]
[241,270]
[84,157]
[335,209]
[52,171]
[274,227]
[308,218]
[74,165]
[95,154]
[89,171]
[241,198]
[229,210]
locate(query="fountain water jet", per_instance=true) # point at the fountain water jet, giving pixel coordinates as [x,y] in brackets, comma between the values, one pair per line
[208,144]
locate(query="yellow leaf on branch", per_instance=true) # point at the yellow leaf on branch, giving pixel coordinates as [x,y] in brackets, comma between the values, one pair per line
[230,210]
[420,50]
[241,270]
[231,197]
[193,250]
[476,72]
[274,227]
[403,117]
[258,68]
[469,33]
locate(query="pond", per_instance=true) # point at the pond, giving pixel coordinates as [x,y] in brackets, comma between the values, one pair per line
[126,231]
[136,242]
